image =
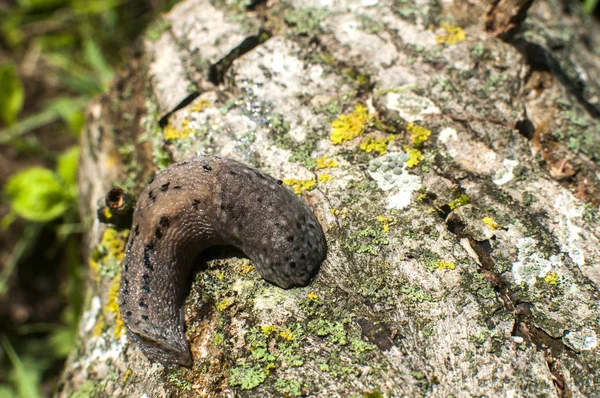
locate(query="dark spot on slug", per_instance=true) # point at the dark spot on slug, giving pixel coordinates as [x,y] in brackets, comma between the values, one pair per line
[164,186]
[293,264]
[145,289]
[207,168]
[127,313]
[303,256]
[164,221]
[290,239]
[146,277]
[158,233]
[151,196]
[143,304]
[279,182]
[147,262]
[136,229]
[196,203]
[145,317]
[298,225]
[177,187]
[233,173]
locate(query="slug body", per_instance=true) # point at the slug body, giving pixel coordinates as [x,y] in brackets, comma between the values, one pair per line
[195,204]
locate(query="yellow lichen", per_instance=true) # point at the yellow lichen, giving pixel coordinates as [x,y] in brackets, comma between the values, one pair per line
[245,267]
[454,34]
[225,303]
[387,221]
[348,127]
[323,178]
[325,163]
[114,243]
[203,103]
[551,278]
[418,134]
[376,145]
[299,186]
[312,296]
[112,305]
[107,213]
[414,156]
[343,213]
[489,221]
[287,334]
[99,326]
[268,329]
[446,264]
[171,133]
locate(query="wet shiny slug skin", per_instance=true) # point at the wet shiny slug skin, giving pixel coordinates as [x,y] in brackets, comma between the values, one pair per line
[195,204]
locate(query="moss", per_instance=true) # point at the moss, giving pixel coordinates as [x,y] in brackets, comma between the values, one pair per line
[302,153]
[247,377]
[90,388]
[176,378]
[348,127]
[368,240]
[462,200]
[416,294]
[306,21]
[157,28]
[288,387]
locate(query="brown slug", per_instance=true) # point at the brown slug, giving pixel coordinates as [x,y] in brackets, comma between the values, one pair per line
[199,203]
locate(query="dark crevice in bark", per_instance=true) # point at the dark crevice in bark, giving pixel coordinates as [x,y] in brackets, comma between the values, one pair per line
[216,71]
[541,59]
[524,325]
[185,102]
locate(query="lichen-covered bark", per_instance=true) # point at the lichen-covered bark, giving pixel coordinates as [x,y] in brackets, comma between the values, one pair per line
[451,151]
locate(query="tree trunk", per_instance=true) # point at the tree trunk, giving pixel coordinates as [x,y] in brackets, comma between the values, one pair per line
[451,151]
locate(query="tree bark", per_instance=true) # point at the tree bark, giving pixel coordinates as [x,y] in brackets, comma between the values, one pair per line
[469,268]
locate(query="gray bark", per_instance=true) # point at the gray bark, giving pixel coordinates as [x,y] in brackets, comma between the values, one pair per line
[473,273]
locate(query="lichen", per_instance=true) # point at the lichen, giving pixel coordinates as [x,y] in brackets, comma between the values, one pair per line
[380,145]
[414,156]
[323,178]
[489,221]
[418,134]
[299,186]
[348,127]
[324,162]
[446,264]
[454,34]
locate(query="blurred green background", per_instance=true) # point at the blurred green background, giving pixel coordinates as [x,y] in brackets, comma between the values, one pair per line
[55,55]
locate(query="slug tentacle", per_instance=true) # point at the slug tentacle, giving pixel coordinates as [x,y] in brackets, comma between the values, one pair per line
[196,204]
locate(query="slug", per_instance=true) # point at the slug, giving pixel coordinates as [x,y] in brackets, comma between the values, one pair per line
[189,207]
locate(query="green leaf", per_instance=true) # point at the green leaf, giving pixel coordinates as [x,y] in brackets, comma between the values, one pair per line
[26,379]
[95,59]
[11,93]
[6,392]
[37,194]
[67,165]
